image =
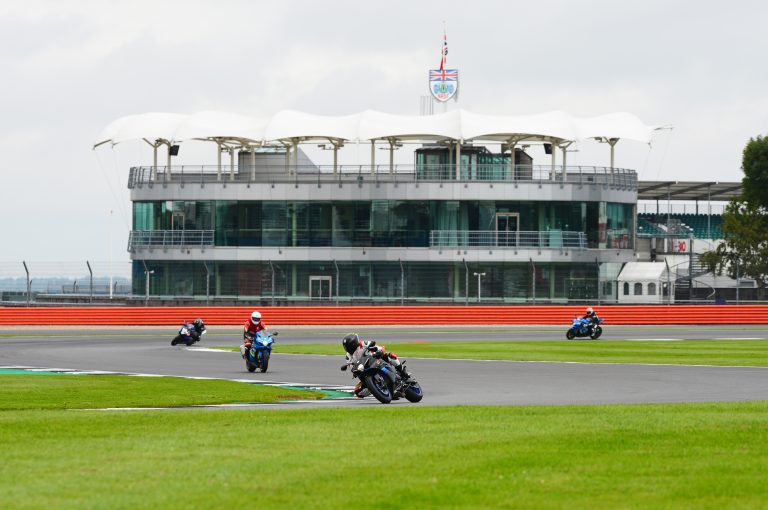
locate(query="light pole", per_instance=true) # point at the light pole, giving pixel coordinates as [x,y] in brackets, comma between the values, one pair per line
[479,275]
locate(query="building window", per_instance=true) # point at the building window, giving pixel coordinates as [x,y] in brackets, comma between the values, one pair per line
[651,289]
[638,289]
[626,289]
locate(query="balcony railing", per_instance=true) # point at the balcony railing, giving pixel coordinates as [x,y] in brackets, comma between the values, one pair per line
[138,238]
[202,174]
[544,239]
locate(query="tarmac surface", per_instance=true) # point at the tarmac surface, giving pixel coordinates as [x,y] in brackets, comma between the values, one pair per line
[147,350]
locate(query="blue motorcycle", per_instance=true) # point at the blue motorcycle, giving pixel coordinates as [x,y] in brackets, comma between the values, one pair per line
[261,348]
[583,328]
[188,335]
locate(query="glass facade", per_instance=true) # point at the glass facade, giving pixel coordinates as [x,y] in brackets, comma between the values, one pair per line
[381,223]
[370,281]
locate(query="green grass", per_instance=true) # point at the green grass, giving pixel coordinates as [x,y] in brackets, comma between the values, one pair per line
[695,456]
[22,392]
[688,352]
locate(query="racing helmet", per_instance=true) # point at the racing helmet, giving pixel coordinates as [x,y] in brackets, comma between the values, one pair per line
[351,343]
[198,323]
[590,311]
[256,317]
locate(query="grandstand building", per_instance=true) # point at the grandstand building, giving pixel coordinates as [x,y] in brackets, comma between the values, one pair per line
[488,210]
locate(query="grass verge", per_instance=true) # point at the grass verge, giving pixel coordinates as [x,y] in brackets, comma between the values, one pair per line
[688,352]
[23,392]
[628,456]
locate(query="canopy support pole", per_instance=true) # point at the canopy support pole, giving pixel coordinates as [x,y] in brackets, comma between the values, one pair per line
[295,156]
[391,156]
[458,160]
[554,160]
[612,142]
[253,162]
[231,163]
[218,160]
[512,144]
[335,171]
[373,156]
[564,148]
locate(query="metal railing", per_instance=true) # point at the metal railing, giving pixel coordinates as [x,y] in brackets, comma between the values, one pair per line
[545,239]
[273,174]
[169,238]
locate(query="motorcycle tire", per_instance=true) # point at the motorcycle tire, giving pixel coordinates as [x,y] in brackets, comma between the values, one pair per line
[596,334]
[176,340]
[264,362]
[413,392]
[570,334]
[378,388]
[250,366]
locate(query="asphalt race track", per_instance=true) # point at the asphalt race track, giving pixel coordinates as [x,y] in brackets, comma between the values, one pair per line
[147,350]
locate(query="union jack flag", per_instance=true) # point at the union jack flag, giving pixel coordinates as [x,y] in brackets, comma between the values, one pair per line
[443,75]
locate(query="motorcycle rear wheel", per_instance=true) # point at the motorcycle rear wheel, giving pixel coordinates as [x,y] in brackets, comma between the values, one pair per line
[570,334]
[250,366]
[596,334]
[378,388]
[413,392]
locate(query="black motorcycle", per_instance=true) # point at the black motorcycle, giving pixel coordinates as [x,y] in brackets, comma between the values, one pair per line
[383,380]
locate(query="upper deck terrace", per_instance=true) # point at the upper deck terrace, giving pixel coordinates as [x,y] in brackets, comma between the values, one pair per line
[605,177]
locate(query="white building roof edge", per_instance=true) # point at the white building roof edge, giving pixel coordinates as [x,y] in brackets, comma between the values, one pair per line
[372,125]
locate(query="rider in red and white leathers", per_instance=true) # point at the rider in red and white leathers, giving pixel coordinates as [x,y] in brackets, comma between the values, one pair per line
[250,328]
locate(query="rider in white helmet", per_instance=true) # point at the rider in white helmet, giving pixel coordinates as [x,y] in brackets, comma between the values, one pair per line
[251,327]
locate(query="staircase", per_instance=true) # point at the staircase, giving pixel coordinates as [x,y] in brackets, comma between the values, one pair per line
[683,280]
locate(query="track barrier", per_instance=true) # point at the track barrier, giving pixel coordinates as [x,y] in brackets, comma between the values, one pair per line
[384,315]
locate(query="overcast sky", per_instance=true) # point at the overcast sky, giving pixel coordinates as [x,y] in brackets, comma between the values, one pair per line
[71,67]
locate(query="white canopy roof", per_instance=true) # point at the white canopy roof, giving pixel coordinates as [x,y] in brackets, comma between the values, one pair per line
[643,272]
[372,125]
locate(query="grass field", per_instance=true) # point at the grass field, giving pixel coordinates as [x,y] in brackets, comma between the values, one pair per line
[24,392]
[688,352]
[630,456]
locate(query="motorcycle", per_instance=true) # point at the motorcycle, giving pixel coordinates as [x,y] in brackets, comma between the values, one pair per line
[584,327]
[261,349]
[185,335]
[382,379]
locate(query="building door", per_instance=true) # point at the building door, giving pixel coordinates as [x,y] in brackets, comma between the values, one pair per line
[507,229]
[320,287]
[177,220]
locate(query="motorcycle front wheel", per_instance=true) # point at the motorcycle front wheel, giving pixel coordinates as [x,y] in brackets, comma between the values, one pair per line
[596,334]
[264,361]
[570,334]
[378,388]
[413,392]
[250,366]
[176,340]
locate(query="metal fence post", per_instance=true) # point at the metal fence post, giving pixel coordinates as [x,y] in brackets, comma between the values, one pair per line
[29,283]
[402,283]
[337,281]
[90,300]
[207,284]
[272,268]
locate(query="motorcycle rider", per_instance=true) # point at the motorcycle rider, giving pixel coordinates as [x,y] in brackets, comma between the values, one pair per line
[250,328]
[592,317]
[355,348]
[195,329]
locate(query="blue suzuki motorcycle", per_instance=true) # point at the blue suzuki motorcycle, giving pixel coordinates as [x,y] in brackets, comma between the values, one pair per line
[261,348]
[583,328]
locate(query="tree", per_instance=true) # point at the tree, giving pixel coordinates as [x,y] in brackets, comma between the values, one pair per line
[745,222]
[755,165]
